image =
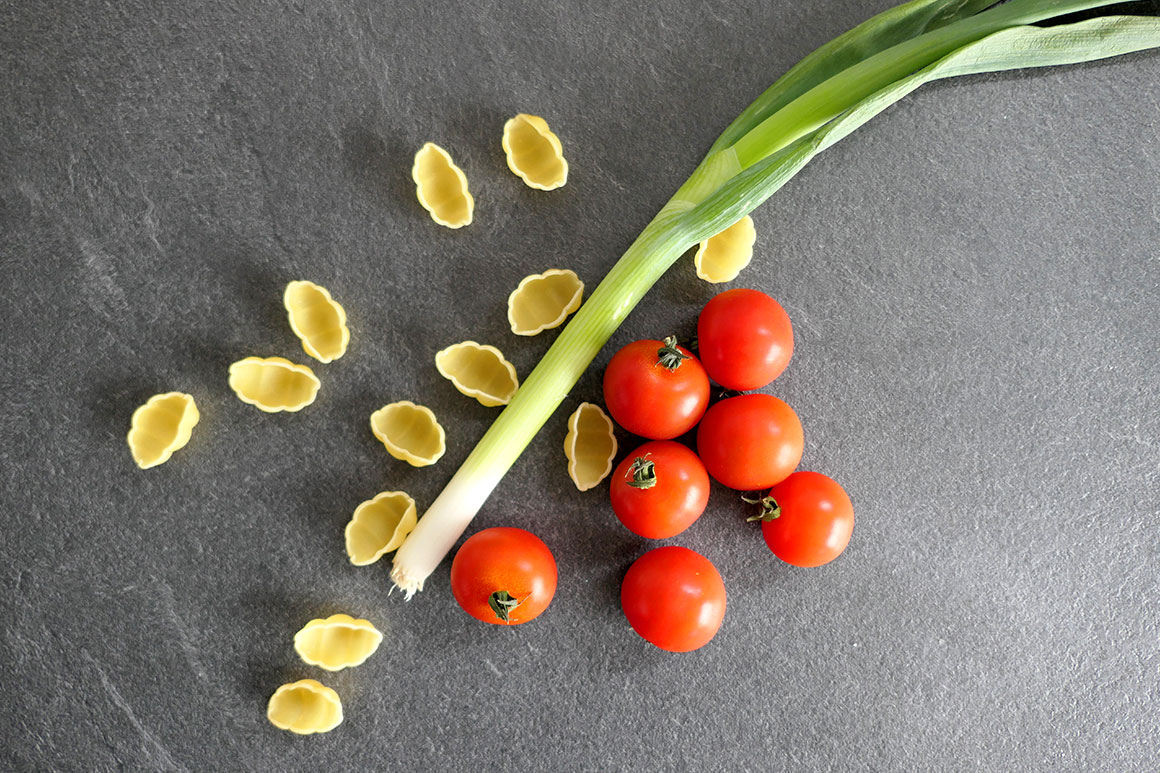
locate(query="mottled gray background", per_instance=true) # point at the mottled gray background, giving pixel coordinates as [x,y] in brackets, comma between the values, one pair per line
[973,280]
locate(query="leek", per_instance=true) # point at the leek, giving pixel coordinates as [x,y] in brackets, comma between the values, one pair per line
[817,103]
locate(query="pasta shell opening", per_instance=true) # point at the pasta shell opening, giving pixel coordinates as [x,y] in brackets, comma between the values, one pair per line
[337,642]
[479,371]
[379,526]
[442,187]
[273,384]
[544,301]
[410,432]
[160,427]
[305,707]
[590,446]
[534,152]
[317,319]
[720,258]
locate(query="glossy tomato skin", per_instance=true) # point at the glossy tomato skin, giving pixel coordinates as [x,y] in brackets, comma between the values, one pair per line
[504,559]
[675,500]
[674,598]
[744,339]
[750,442]
[648,399]
[816,521]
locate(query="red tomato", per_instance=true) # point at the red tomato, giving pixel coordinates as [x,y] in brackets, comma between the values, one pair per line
[744,339]
[656,389]
[660,489]
[813,522]
[504,576]
[750,442]
[674,598]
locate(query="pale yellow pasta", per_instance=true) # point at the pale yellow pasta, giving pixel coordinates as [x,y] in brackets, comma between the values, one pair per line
[379,526]
[161,426]
[544,301]
[442,187]
[479,371]
[273,384]
[590,446]
[337,642]
[317,319]
[410,432]
[720,258]
[534,153]
[305,707]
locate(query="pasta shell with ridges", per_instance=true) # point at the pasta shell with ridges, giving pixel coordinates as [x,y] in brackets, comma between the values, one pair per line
[479,371]
[160,427]
[544,301]
[273,384]
[441,187]
[337,642]
[590,446]
[720,258]
[317,319]
[534,152]
[305,707]
[379,526]
[410,432]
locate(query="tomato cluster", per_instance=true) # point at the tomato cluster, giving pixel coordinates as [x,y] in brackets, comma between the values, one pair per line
[672,596]
[657,389]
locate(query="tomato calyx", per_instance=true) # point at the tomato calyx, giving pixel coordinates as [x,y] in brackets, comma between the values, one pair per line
[669,356]
[643,472]
[502,603]
[770,509]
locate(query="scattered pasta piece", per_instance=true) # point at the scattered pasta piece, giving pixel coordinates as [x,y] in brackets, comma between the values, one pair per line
[479,371]
[305,707]
[273,384]
[544,301]
[590,446]
[720,258]
[534,153]
[379,526]
[338,642]
[317,319]
[161,426]
[442,187]
[410,432]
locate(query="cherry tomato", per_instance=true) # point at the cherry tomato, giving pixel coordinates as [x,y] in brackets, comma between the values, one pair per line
[504,576]
[744,339]
[660,489]
[750,442]
[656,389]
[674,598]
[808,519]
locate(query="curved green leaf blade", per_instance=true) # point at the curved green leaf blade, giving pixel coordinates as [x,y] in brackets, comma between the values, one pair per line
[1010,49]
[870,37]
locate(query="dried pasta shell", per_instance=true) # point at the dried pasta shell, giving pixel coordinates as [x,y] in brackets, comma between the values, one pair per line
[720,258]
[410,432]
[305,707]
[338,642]
[317,319]
[544,301]
[590,446]
[379,526]
[161,426]
[534,153]
[479,371]
[273,384]
[442,187]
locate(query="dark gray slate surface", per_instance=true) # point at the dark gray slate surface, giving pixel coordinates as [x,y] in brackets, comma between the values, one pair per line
[973,280]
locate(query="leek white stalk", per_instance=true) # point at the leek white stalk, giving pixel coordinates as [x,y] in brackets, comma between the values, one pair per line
[818,102]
